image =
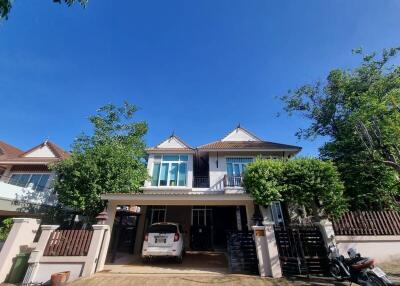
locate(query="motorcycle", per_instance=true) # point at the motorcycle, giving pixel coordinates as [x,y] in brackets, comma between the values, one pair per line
[357,269]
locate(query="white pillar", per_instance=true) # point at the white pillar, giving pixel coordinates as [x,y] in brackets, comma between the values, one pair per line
[261,249]
[22,233]
[327,231]
[37,253]
[94,253]
[273,264]
[104,248]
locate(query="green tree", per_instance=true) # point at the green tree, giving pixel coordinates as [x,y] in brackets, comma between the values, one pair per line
[5,227]
[343,109]
[307,183]
[6,5]
[108,161]
[263,179]
[314,185]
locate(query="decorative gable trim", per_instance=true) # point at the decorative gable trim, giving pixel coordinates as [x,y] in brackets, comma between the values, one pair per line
[240,134]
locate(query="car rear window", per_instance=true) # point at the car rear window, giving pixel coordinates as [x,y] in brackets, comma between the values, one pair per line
[162,228]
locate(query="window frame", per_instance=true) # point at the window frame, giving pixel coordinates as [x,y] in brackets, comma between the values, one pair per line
[160,160]
[35,188]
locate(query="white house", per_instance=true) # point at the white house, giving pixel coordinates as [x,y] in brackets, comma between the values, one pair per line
[200,188]
[25,177]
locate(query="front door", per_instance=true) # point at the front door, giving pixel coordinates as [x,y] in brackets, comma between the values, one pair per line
[201,229]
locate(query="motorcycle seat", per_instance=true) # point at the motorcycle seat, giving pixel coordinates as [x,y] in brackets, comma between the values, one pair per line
[363,263]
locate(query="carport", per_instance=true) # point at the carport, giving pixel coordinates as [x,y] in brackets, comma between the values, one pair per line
[204,217]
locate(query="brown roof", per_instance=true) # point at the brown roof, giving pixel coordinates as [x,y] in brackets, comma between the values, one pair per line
[8,151]
[57,150]
[19,157]
[247,145]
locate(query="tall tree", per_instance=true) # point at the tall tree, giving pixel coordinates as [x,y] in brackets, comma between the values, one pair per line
[108,161]
[6,5]
[345,109]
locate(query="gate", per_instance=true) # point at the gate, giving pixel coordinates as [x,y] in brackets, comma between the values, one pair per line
[301,250]
[242,256]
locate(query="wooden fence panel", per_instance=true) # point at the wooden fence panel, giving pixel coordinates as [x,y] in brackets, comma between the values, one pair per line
[368,223]
[69,243]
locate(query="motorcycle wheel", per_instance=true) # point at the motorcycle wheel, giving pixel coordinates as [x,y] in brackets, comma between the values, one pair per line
[375,280]
[335,271]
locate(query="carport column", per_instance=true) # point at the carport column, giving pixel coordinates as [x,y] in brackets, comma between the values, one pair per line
[140,231]
[111,210]
[249,215]
[273,264]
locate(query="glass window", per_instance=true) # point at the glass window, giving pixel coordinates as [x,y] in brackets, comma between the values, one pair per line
[158,214]
[43,182]
[164,174]
[38,181]
[172,171]
[170,158]
[182,174]
[173,174]
[156,174]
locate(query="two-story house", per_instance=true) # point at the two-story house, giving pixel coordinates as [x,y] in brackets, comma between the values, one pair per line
[200,188]
[25,177]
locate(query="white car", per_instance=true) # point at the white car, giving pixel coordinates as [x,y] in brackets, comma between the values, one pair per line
[163,240]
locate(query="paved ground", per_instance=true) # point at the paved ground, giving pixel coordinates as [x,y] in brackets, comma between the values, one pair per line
[194,262]
[103,279]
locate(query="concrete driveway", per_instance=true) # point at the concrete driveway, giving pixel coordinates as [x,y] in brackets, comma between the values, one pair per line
[106,279]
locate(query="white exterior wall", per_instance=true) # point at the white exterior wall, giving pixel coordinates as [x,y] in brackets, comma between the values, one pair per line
[189,178]
[217,173]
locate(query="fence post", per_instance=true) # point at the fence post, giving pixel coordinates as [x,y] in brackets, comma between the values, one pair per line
[95,256]
[37,253]
[327,231]
[261,249]
[274,264]
[22,232]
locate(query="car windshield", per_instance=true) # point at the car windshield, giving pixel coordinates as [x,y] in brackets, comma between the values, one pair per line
[162,228]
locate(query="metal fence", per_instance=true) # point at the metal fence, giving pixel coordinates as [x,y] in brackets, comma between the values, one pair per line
[69,243]
[368,223]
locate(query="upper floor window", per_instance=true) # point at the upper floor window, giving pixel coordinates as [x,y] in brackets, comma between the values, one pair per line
[237,166]
[169,170]
[38,181]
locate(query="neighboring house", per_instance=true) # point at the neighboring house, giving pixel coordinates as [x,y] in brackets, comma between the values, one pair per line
[25,177]
[200,188]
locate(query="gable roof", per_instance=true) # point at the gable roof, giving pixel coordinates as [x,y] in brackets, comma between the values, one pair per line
[240,139]
[8,151]
[52,152]
[172,144]
[240,134]
[57,151]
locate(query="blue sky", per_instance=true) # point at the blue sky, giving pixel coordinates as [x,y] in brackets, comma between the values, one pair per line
[193,67]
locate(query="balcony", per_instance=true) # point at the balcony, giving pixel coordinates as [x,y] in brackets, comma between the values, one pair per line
[233,181]
[201,182]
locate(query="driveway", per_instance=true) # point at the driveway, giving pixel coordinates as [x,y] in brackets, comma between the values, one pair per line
[106,279]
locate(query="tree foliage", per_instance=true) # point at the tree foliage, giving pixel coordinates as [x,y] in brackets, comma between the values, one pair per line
[6,5]
[348,108]
[307,182]
[5,227]
[108,161]
[263,178]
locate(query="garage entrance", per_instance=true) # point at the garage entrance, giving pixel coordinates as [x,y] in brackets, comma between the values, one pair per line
[194,262]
